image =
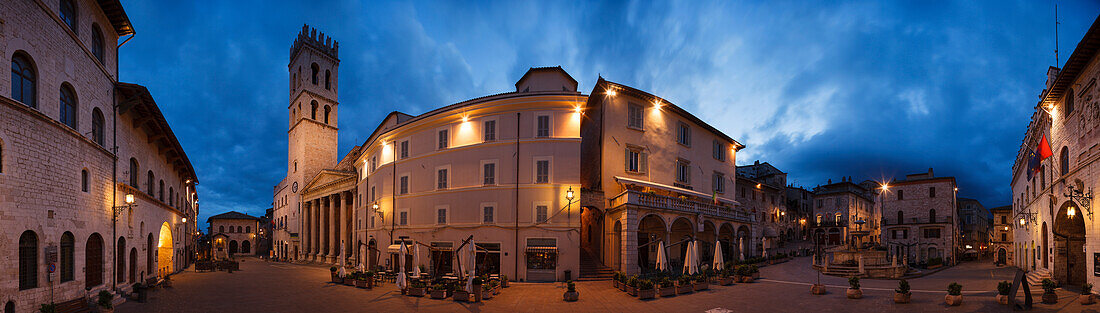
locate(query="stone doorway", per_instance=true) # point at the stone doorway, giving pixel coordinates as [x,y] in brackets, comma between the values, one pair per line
[1069,244]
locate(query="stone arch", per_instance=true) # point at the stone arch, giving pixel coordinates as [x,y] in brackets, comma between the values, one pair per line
[149,253]
[744,242]
[93,261]
[727,239]
[233,248]
[1069,243]
[120,263]
[246,247]
[651,230]
[706,240]
[133,265]
[1043,246]
[616,245]
[164,251]
[679,230]
[592,233]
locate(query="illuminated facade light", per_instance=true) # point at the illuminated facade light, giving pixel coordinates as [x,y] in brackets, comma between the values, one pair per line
[1071,212]
[611,92]
[185,220]
[129,198]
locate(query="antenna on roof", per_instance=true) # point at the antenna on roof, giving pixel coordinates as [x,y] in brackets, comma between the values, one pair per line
[1057,61]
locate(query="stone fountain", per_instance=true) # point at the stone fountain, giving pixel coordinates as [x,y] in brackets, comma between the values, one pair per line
[853,260]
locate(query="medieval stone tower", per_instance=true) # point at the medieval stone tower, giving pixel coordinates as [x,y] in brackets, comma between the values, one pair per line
[312,134]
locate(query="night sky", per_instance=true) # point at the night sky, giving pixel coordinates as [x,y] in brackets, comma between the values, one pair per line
[865,89]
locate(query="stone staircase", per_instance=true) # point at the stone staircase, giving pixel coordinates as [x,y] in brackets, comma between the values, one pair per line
[1035,278]
[592,269]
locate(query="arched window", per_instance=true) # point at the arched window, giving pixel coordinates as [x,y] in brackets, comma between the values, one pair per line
[315,69]
[171,196]
[221,229]
[326,114]
[68,14]
[160,191]
[23,80]
[28,260]
[9,307]
[313,111]
[133,172]
[248,229]
[246,247]
[93,261]
[901,217]
[97,127]
[1063,159]
[1069,103]
[239,229]
[68,106]
[120,265]
[133,264]
[84,180]
[97,43]
[150,184]
[67,257]
[327,78]
[149,254]
[932,215]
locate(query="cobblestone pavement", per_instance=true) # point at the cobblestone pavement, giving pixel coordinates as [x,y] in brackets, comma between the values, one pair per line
[278,287]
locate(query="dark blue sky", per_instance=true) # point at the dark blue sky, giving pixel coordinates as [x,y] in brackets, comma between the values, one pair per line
[868,89]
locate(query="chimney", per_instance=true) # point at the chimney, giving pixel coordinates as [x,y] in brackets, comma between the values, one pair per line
[930,173]
[830,181]
[1052,74]
[757,162]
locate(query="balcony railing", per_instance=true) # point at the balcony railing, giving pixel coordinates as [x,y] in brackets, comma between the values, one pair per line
[677,204]
[914,220]
[829,223]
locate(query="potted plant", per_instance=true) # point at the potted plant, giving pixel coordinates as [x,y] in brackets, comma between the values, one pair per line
[335,277]
[645,289]
[350,278]
[701,282]
[684,285]
[616,280]
[47,308]
[571,293]
[755,271]
[361,280]
[817,289]
[105,302]
[724,279]
[1086,295]
[475,296]
[504,281]
[439,291]
[416,288]
[460,294]
[632,286]
[487,291]
[1003,288]
[1049,297]
[745,272]
[853,288]
[954,294]
[902,294]
[667,288]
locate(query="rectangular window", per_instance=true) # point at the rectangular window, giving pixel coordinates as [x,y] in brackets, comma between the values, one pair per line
[719,151]
[404,184]
[634,117]
[441,179]
[373,164]
[444,137]
[372,194]
[405,149]
[542,171]
[441,216]
[932,233]
[372,221]
[931,192]
[543,129]
[635,160]
[541,212]
[719,182]
[487,214]
[683,171]
[403,218]
[901,194]
[490,130]
[684,137]
[490,174]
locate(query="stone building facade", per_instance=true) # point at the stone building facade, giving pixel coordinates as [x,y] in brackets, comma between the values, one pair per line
[233,234]
[975,226]
[840,209]
[1001,242]
[762,192]
[75,145]
[503,174]
[800,202]
[920,222]
[1054,206]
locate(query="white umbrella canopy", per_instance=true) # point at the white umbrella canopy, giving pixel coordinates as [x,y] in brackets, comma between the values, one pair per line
[471,256]
[662,257]
[718,259]
[343,271]
[401,283]
[416,261]
[688,258]
[694,257]
[741,248]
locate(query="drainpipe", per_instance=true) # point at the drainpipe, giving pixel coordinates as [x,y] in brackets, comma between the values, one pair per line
[114,167]
[515,217]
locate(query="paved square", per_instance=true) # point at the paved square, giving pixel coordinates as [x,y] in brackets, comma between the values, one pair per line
[278,287]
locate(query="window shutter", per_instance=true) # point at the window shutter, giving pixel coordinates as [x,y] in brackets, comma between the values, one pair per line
[643,166]
[626,158]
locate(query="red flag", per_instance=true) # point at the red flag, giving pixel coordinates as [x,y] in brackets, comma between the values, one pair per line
[1044,149]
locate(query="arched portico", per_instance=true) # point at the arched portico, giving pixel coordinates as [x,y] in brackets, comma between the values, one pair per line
[728,241]
[651,230]
[1069,242]
[680,231]
[164,251]
[744,242]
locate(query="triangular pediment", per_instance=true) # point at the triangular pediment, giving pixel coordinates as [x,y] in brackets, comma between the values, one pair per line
[328,178]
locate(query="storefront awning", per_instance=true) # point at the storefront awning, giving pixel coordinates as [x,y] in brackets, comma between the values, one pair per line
[625,180]
[395,249]
[542,249]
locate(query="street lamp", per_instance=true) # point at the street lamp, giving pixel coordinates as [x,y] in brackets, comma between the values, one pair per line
[569,205]
[381,217]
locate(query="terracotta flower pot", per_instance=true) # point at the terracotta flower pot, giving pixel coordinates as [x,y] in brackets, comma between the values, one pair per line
[953,300]
[1050,298]
[349,281]
[439,294]
[487,294]
[701,286]
[1086,299]
[817,289]
[632,291]
[462,295]
[668,292]
[415,292]
[336,278]
[360,283]
[902,297]
[1002,299]
[725,281]
[571,296]
[854,293]
[647,294]
[683,289]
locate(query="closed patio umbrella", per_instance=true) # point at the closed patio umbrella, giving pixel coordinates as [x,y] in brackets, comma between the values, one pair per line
[416,261]
[694,257]
[401,283]
[662,258]
[741,248]
[471,255]
[688,258]
[718,257]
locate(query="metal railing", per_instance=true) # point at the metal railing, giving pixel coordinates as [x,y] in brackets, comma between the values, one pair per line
[915,220]
[677,204]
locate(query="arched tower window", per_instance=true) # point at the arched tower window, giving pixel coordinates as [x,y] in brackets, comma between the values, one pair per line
[134,172]
[171,196]
[68,14]
[313,111]
[84,180]
[901,217]
[315,69]
[326,114]
[28,260]
[248,229]
[150,184]
[1069,103]
[97,127]
[1063,159]
[160,191]
[97,43]
[328,76]
[932,215]
[67,257]
[221,229]
[23,80]
[68,106]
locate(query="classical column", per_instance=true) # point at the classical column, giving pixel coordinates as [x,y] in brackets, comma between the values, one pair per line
[304,234]
[334,217]
[325,219]
[341,228]
[316,225]
[349,222]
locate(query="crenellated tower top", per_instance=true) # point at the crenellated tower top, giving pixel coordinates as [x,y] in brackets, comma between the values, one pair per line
[310,36]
